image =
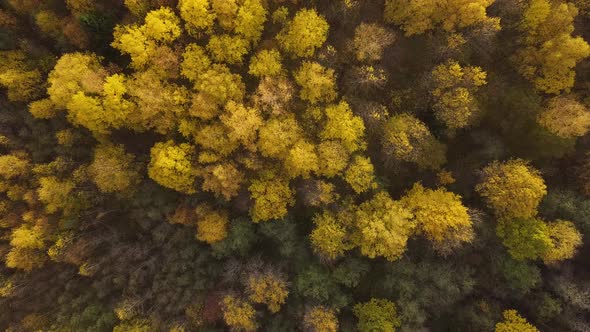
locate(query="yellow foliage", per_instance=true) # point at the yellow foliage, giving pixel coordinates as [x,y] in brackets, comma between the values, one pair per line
[383,227]
[25,259]
[321,319]
[239,314]
[266,63]
[439,215]
[162,25]
[417,17]
[195,62]
[12,166]
[171,166]
[88,112]
[27,237]
[333,158]
[565,239]
[42,109]
[228,49]
[408,139]
[512,189]
[550,53]
[343,125]
[277,135]
[455,104]
[197,15]
[211,225]
[219,83]
[271,198]
[329,237]
[242,122]
[223,179]
[304,34]
[226,11]
[360,174]
[249,22]
[317,82]
[117,108]
[302,160]
[267,288]
[113,170]
[565,117]
[73,73]
[133,40]
[54,193]
[513,322]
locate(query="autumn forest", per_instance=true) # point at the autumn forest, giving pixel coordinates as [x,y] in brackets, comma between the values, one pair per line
[294,165]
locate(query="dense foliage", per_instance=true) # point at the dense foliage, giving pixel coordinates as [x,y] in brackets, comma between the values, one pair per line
[271,165]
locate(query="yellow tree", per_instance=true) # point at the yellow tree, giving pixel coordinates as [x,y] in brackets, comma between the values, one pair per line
[162,25]
[73,73]
[221,84]
[250,18]
[239,314]
[267,288]
[406,138]
[321,319]
[228,49]
[332,158]
[454,88]
[512,188]
[278,135]
[195,62]
[440,216]
[22,84]
[243,123]
[302,160]
[211,224]
[513,322]
[549,53]
[383,227]
[565,117]
[360,174]
[113,170]
[417,17]
[330,237]
[565,240]
[304,34]
[197,15]
[317,83]
[171,166]
[266,63]
[272,196]
[342,125]
[223,179]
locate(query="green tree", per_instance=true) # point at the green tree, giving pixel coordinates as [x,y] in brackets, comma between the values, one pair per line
[525,238]
[377,315]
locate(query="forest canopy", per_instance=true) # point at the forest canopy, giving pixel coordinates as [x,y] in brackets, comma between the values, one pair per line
[271,165]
